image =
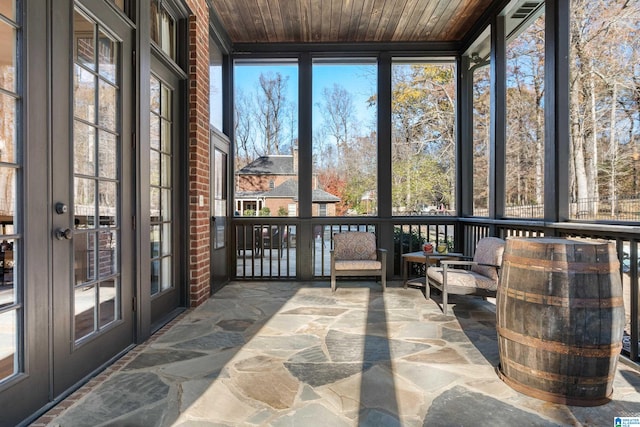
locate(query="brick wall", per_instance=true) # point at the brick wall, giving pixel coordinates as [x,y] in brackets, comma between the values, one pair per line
[198,122]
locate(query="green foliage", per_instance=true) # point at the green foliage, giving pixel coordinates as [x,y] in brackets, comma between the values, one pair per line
[265,212]
[249,212]
[417,181]
[282,211]
[403,243]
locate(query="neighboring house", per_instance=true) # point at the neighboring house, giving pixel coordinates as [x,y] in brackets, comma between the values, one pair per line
[272,182]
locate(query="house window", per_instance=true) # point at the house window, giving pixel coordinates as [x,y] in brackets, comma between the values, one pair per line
[163,29]
[291,208]
[272,184]
[215,85]
[322,209]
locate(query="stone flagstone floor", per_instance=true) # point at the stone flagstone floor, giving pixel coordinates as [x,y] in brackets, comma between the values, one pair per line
[294,354]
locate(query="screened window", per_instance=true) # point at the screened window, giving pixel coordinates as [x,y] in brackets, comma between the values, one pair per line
[604,162]
[524,173]
[478,56]
[423,137]
[345,142]
[266,136]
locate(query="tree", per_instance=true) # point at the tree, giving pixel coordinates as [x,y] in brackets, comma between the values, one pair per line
[423,144]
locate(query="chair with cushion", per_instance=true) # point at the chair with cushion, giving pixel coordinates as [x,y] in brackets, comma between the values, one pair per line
[469,277]
[355,253]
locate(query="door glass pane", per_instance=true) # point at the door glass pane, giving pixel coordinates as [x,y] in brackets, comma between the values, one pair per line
[156,214]
[107,54]
[97,189]
[84,259]
[165,180]
[84,47]
[84,92]
[107,302]
[166,239]
[8,59]
[8,9]
[161,186]
[166,205]
[108,204]
[108,106]
[155,276]
[154,136]
[11,291]
[167,269]
[84,149]
[84,301]
[8,344]
[8,261]
[107,155]
[8,135]
[108,241]
[155,241]
[84,207]
[7,198]
[166,136]
[155,171]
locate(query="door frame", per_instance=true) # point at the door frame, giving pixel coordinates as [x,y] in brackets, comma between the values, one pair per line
[165,307]
[221,264]
[71,363]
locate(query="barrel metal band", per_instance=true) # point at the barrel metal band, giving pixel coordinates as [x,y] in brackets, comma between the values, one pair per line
[561,301]
[582,267]
[550,376]
[603,350]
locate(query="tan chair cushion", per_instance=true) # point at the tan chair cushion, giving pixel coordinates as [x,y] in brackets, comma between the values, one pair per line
[463,278]
[488,251]
[354,245]
[358,265]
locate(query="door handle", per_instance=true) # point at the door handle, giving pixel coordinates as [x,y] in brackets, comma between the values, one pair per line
[66,234]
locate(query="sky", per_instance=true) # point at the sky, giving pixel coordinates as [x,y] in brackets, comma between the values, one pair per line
[358,79]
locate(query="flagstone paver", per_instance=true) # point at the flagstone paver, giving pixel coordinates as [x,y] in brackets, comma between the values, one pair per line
[296,354]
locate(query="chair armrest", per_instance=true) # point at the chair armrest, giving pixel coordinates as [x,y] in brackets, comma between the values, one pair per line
[446,264]
[382,254]
[457,262]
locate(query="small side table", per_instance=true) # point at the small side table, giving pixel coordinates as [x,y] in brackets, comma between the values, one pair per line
[422,258]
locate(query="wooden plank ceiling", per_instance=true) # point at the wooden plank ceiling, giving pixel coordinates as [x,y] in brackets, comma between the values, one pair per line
[348,21]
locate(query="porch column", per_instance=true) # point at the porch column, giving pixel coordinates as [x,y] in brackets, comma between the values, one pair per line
[198,136]
[556,111]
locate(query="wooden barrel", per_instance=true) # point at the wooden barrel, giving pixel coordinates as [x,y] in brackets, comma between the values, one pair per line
[560,317]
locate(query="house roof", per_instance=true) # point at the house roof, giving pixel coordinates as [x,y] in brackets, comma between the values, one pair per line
[289,190]
[269,165]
